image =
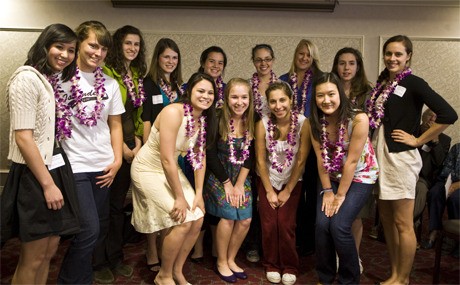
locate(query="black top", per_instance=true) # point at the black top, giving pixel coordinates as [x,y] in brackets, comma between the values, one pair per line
[404,112]
[154,101]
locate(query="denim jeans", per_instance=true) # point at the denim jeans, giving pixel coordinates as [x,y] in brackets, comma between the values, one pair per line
[76,267]
[333,234]
[437,203]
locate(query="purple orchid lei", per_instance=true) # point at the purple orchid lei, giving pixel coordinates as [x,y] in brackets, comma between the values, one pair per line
[305,84]
[220,92]
[334,164]
[375,104]
[63,112]
[139,97]
[167,89]
[255,91]
[244,148]
[195,159]
[77,95]
[291,141]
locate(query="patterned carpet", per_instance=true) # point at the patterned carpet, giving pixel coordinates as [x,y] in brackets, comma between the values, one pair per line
[373,255]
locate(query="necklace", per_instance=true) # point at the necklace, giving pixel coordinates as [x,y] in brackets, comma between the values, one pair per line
[244,147]
[195,159]
[63,122]
[334,164]
[167,89]
[291,142]
[305,85]
[375,105]
[139,97]
[258,104]
[220,92]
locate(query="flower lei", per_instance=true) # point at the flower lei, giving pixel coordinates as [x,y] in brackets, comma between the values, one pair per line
[167,89]
[375,104]
[139,97]
[63,112]
[255,91]
[291,140]
[244,148]
[195,159]
[305,85]
[220,92]
[77,94]
[334,164]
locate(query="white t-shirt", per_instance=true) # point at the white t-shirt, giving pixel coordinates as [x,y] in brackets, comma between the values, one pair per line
[89,148]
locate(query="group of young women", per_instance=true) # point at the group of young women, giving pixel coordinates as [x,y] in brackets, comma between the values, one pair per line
[86,125]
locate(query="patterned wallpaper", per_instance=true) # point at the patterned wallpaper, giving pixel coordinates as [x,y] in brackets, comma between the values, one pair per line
[432,59]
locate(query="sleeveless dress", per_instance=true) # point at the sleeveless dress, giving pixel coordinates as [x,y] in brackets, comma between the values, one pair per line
[153,198]
[214,192]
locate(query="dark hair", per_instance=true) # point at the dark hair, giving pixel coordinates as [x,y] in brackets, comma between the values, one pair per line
[345,109]
[359,84]
[205,54]
[115,57]
[262,46]
[156,73]
[38,53]
[102,34]
[210,113]
[407,43]
[286,88]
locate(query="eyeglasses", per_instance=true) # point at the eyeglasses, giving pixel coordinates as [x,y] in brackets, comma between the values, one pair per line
[260,60]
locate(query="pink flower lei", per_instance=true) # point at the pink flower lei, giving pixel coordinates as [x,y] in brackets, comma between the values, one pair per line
[77,95]
[291,141]
[255,91]
[220,92]
[195,159]
[139,97]
[231,143]
[167,89]
[375,105]
[305,85]
[63,112]
[334,164]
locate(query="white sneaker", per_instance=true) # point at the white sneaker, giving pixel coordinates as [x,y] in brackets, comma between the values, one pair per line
[289,279]
[274,277]
[361,269]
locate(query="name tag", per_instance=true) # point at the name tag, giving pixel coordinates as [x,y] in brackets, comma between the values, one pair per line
[56,162]
[400,90]
[157,99]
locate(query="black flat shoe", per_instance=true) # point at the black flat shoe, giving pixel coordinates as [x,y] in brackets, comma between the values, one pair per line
[197,260]
[240,275]
[229,279]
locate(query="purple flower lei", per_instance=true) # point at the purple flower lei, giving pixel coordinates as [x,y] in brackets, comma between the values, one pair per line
[305,85]
[77,94]
[167,89]
[375,104]
[195,159]
[334,164]
[63,112]
[139,97]
[220,92]
[255,91]
[291,140]
[231,142]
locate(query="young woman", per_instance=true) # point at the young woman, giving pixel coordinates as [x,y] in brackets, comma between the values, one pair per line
[282,146]
[347,171]
[163,199]
[126,64]
[38,203]
[304,67]
[93,143]
[394,111]
[262,57]
[161,87]
[227,192]
[349,67]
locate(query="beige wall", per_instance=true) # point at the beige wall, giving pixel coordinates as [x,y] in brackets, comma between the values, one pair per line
[440,26]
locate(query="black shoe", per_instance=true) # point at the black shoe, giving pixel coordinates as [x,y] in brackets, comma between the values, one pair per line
[428,244]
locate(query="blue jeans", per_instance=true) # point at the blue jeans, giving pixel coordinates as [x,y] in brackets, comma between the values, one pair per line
[333,234]
[76,267]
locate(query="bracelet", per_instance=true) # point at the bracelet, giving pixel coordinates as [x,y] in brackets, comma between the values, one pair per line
[325,190]
[226,181]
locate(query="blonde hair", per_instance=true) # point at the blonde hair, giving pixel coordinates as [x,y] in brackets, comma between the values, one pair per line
[314,53]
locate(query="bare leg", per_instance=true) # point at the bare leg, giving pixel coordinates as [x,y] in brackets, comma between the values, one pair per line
[391,236]
[32,260]
[42,273]
[198,247]
[152,250]
[223,235]
[240,230]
